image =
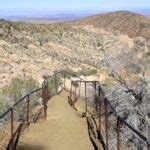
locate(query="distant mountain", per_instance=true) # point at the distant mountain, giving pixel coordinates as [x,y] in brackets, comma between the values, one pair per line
[121,21]
[40,15]
[143,11]
[48,16]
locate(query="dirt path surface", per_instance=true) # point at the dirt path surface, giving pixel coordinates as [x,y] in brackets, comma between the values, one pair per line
[63,130]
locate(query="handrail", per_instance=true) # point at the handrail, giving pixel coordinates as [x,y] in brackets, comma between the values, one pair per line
[54,74]
[25,98]
[21,99]
[79,78]
[144,138]
[106,101]
[135,131]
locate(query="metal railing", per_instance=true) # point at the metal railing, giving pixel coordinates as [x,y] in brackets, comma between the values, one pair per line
[15,122]
[104,107]
[49,88]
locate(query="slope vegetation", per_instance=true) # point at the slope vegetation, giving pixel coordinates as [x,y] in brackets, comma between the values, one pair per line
[121,21]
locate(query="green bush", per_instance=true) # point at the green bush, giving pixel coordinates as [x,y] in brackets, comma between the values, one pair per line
[75,84]
[18,88]
[88,72]
[53,84]
[84,72]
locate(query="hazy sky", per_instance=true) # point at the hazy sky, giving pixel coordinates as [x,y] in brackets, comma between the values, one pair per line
[74,4]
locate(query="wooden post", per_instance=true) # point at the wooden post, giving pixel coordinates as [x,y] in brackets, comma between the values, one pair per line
[106,123]
[28,109]
[12,128]
[118,134]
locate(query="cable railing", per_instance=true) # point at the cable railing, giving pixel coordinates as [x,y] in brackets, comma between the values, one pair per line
[97,112]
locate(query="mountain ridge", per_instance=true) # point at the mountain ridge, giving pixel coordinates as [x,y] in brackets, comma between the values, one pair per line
[124,22]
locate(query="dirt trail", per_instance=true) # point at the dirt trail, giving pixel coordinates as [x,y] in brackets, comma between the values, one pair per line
[63,130]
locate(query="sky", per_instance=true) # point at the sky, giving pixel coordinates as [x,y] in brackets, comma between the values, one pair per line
[74,4]
[24,7]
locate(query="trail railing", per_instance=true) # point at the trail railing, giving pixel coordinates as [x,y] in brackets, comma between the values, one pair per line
[103,115]
[25,111]
[17,117]
[97,112]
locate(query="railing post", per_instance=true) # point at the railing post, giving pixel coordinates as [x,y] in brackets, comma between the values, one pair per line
[56,84]
[12,128]
[100,111]
[95,87]
[148,144]
[79,88]
[75,94]
[85,99]
[118,134]
[28,109]
[96,106]
[71,90]
[44,97]
[64,80]
[106,123]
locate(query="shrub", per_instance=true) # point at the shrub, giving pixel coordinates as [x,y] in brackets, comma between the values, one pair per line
[84,72]
[88,72]
[75,84]
[52,85]
[18,88]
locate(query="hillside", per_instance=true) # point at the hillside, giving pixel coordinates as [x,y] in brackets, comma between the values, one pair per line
[28,48]
[124,22]
[108,43]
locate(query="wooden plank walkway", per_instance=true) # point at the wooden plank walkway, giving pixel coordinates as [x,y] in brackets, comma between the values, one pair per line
[63,130]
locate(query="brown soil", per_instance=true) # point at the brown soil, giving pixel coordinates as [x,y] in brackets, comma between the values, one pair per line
[63,130]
